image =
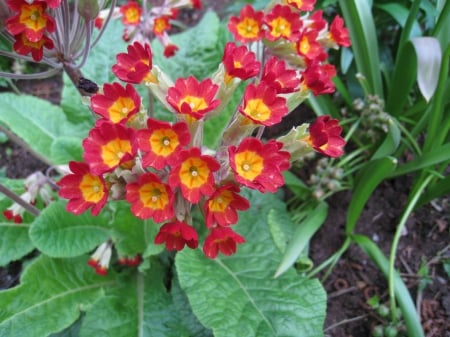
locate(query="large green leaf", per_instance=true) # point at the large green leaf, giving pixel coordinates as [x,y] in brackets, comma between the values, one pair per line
[238,296]
[140,306]
[59,233]
[38,122]
[14,242]
[132,235]
[50,297]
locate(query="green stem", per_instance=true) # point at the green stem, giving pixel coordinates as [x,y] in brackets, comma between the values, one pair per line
[395,242]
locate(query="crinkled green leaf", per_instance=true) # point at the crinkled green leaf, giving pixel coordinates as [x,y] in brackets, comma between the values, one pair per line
[14,242]
[59,233]
[65,149]
[238,296]
[38,122]
[200,50]
[140,306]
[50,297]
[429,57]
[131,234]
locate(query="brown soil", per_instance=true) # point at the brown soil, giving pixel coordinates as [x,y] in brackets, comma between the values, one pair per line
[355,278]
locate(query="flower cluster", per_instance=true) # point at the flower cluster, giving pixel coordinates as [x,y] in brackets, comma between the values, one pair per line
[143,24]
[56,32]
[164,170]
[30,25]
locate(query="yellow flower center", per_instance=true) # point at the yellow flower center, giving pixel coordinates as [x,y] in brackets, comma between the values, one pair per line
[257,110]
[132,16]
[120,109]
[280,27]
[154,195]
[160,26]
[304,46]
[91,188]
[113,151]
[194,173]
[196,103]
[220,203]
[31,16]
[248,28]
[249,164]
[164,142]
[237,64]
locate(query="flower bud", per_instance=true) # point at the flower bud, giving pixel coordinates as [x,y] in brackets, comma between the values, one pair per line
[88,9]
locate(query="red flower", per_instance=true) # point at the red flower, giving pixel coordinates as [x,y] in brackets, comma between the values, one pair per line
[303,5]
[9,214]
[193,98]
[194,174]
[317,78]
[107,146]
[338,33]
[248,26]
[309,48]
[197,4]
[325,136]
[98,22]
[32,20]
[52,3]
[135,65]
[283,23]
[170,50]
[239,62]
[150,198]
[160,25]
[221,207]
[83,189]
[23,46]
[262,105]
[131,13]
[221,239]
[177,234]
[276,74]
[317,22]
[162,142]
[101,258]
[117,104]
[257,165]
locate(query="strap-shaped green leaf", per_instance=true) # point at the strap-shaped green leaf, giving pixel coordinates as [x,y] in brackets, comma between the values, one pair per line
[14,242]
[391,142]
[372,174]
[49,299]
[302,235]
[238,296]
[59,233]
[401,291]
[359,19]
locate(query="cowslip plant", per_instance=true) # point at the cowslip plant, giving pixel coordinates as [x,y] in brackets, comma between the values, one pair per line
[138,182]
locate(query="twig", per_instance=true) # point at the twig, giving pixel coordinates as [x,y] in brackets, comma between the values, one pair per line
[345,321]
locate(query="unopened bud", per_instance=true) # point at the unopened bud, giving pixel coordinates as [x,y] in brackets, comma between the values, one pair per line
[88,9]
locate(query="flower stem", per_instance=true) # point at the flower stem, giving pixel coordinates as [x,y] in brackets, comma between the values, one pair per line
[13,196]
